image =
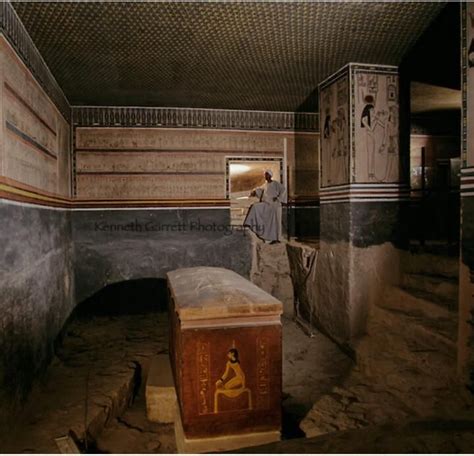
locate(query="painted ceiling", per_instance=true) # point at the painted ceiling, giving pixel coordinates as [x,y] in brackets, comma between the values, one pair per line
[258,56]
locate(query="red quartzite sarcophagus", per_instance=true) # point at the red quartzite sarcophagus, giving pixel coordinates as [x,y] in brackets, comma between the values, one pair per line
[225,349]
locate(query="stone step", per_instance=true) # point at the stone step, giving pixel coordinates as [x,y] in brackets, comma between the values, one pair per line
[160,391]
[435,265]
[438,289]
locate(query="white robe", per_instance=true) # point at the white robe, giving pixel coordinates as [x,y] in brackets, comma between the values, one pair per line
[264,217]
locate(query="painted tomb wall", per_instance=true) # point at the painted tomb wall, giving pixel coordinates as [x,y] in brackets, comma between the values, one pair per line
[35,136]
[36,254]
[160,163]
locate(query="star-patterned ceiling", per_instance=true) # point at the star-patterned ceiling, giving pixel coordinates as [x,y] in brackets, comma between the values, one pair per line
[223,55]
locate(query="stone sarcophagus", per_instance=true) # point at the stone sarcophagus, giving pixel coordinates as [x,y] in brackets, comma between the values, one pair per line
[225,347]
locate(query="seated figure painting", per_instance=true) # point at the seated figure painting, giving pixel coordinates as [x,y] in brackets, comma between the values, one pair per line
[232,382]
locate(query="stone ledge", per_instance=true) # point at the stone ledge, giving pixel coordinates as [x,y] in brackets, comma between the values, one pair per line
[160,392]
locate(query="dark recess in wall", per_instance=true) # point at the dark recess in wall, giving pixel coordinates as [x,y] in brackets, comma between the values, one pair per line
[125,298]
[435,57]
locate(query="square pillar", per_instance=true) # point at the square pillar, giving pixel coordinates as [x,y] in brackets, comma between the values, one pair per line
[362,185]
[466,266]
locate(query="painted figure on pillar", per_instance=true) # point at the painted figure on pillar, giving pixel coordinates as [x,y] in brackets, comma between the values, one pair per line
[328,146]
[371,122]
[377,132]
[335,138]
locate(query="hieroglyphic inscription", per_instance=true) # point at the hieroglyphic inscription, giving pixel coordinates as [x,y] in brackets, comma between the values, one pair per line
[204,377]
[263,373]
[160,139]
[151,186]
[149,162]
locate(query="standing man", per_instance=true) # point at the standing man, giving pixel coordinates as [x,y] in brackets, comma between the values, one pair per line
[264,217]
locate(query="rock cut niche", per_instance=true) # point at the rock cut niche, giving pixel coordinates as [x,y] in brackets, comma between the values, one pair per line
[129,297]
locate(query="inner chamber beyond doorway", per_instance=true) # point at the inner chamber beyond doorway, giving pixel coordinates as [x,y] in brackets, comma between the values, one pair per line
[245,175]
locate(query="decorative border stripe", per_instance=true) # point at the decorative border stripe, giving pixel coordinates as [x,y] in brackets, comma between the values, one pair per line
[226,119]
[365,200]
[29,140]
[16,191]
[336,188]
[365,193]
[16,34]
[467,182]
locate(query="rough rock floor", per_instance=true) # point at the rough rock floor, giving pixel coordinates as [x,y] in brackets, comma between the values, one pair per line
[414,437]
[406,370]
[103,359]
[107,360]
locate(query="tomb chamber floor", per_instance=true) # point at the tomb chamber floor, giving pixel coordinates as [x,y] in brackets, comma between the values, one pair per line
[103,361]
[404,379]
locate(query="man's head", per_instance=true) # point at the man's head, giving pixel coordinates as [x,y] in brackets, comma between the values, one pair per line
[268,175]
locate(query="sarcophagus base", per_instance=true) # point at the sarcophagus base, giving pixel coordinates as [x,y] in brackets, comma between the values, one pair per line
[220,444]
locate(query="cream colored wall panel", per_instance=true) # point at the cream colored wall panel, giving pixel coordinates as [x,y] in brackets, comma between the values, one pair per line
[64,158]
[149,161]
[18,78]
[151,186]
[177,139]
[27,165]
[34,130]
[19,115]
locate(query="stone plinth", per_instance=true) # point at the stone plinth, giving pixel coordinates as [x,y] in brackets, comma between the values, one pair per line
[160,391]
[225,349]
[222,443]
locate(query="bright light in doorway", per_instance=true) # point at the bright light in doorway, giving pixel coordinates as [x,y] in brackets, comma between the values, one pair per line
[238,169]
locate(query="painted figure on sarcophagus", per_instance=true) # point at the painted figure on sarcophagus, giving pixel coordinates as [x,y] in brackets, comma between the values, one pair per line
[231,384]
[335,137]
[377,128]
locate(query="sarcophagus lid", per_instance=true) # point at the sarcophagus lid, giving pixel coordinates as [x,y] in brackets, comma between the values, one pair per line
[208,293]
